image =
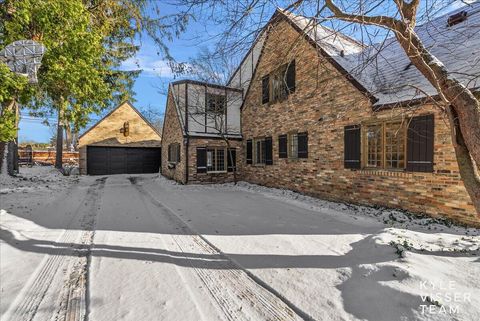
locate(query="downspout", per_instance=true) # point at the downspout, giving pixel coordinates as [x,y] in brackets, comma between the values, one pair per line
[186,140]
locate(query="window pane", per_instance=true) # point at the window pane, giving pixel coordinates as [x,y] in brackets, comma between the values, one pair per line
[394,145]
[293,146]
[279,86]
[263,152]
[260,151]
[210,160]
[220,159]
[216,103]
[374,146]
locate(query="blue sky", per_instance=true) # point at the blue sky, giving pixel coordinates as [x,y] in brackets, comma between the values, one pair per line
[155,73]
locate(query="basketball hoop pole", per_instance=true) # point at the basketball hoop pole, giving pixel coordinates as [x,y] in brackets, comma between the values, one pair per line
[24,58]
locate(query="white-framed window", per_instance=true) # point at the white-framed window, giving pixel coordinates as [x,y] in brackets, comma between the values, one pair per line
[216,161]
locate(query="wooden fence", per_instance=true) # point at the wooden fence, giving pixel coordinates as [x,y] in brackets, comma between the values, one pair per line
[45,157]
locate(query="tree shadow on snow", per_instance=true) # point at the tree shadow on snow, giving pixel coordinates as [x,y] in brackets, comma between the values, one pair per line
[363,294]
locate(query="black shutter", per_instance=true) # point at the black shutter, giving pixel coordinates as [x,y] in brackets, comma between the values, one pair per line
[268,151]
[201,160]
[351,146]
[265,89]
[282,146]
[420,144]
[291,77]
[302,145]
[249,151]
[231,159]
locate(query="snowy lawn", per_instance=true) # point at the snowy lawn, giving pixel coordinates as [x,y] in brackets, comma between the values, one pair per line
[145,248]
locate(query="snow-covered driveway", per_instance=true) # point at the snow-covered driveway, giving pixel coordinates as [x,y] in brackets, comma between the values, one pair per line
[144,248]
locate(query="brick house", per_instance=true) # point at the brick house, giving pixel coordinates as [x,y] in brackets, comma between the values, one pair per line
[321,117]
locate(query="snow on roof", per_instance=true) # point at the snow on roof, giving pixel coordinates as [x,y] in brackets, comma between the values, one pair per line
[384,68]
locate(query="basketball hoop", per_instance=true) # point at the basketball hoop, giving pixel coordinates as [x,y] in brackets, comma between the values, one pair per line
[23,57]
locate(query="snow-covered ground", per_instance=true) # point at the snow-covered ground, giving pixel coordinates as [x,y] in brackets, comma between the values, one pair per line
[145,248]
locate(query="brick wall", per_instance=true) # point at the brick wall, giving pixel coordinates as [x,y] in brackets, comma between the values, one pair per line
[172,133]
[199,178]
[107,133]
[323,103]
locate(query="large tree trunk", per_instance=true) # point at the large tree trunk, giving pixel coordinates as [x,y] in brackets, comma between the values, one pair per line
[59,145]
[68,136]
[8,149]
[3,158]
[468,169]
[463,110]
[75,139]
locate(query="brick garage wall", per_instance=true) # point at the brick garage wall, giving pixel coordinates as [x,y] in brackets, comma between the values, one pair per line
[107,133]
[172,133]
[201,178]
[323,103]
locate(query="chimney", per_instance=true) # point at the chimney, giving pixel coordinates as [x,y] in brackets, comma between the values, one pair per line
[457,18]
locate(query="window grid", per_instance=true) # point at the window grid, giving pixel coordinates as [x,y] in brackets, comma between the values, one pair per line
[215,160]
[374,146]
[259,151]
[174,153]
[278,84]
[293,145]
[216,103]
[394,145]
[385,145]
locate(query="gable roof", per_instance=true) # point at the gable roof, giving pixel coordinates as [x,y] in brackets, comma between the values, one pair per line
[113,110]
[384,69]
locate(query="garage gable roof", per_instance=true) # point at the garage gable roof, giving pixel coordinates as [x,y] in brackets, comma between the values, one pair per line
[116,108]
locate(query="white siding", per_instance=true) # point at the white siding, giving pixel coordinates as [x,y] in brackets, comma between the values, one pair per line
[196,107]
[180,98]
[243,75]
[234,99]
[200,123]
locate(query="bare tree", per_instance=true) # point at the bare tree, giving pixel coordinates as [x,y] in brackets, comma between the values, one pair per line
[212,66]
[375,22]
[154,116]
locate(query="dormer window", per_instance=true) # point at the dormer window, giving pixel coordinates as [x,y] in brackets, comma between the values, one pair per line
[457,18]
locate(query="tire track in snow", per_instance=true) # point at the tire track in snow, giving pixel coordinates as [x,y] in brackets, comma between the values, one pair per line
[74,300]
[25,306]
[239,294]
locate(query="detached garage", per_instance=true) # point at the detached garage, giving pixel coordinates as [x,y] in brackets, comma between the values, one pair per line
[123,142]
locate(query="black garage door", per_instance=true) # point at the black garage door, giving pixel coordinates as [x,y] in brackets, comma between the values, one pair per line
[122,160]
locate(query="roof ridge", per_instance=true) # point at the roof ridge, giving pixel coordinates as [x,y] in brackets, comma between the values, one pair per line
[318,24]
